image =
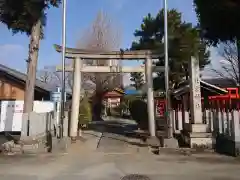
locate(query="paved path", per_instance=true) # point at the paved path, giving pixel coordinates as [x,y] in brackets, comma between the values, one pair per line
[106,156]
[86,163]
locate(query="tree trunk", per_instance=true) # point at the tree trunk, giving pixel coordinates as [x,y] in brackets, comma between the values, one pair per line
[32,67]
[97,103]
[97,106]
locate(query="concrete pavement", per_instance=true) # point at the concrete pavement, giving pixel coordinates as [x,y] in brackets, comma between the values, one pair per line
[90,162]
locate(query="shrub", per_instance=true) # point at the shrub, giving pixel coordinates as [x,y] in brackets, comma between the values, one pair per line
[85,113]
[139,113]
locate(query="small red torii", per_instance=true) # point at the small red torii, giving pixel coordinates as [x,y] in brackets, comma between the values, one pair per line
[229,101]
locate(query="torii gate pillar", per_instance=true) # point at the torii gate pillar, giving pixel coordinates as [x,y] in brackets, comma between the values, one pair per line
[150,98]
[75,99]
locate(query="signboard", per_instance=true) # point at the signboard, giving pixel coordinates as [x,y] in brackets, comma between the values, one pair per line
[160,108]
[56,96]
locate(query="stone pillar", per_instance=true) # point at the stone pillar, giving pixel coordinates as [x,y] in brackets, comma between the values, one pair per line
[75,98]
[198,130]
[185,103]
[150,98]
[66,124]
[195,92]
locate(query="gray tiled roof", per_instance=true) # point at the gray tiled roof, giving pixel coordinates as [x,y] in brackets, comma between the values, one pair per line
[221,82]
[21,76]
[184,88]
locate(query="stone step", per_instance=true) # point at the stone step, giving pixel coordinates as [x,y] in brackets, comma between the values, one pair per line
[200,135]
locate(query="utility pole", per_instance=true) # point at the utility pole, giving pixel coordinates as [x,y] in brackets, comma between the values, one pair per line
[63,65]
[168,100]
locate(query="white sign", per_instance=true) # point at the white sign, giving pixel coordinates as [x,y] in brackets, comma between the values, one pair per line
[56,96]
[12,111]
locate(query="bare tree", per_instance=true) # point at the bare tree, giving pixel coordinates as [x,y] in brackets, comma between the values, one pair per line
[102,35]
[229,63]
[50,76]
[44,76]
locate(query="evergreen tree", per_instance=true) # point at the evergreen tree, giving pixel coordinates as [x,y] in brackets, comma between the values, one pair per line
[29,17]
[184,42]
[219,22]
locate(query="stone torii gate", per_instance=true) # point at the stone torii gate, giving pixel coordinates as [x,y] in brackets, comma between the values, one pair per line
[81,54]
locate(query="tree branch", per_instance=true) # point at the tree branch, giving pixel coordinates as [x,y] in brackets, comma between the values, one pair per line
[229,64]
[101,35]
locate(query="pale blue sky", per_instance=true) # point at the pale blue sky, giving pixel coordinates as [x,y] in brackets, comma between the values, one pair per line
[80,13]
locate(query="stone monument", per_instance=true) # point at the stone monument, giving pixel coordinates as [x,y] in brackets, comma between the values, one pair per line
[198,131]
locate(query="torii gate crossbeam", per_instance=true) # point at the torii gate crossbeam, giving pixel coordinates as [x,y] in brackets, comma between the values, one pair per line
[111,69]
